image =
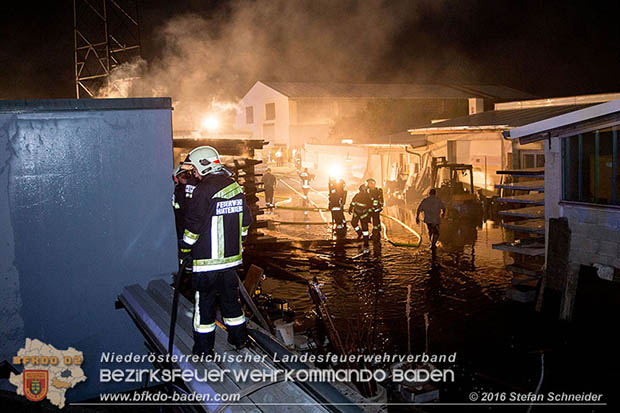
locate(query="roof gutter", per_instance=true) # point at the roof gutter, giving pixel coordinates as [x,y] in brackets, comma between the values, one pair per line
[430,131]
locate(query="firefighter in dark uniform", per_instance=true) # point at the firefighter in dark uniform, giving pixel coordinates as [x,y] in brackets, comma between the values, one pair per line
[269,184]
[185,183]
[216,222]
[360,207]
[183,189]
[337,200]
[376,197]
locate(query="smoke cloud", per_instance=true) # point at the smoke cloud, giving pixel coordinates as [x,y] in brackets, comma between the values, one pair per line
[214,60]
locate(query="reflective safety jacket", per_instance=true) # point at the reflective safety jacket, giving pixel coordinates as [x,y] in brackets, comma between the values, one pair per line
[376,196]
[216,222]
[179,203]
[305,179]
[360,204]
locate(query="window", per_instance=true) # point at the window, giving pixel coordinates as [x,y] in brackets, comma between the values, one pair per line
[249,114]
[591,166]
[270,111]
[530,159]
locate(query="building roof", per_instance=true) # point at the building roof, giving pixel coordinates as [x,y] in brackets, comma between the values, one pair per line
[559,101]
[394,91]
[400,138]
[494,120]
[570,118]
[64,105]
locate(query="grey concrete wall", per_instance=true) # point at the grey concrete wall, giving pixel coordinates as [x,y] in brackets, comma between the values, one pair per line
[595,235]
[595,230]
[88,199]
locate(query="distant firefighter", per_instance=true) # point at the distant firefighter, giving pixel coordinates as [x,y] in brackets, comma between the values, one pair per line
[305,177]
[337,200]
[433,209]
[269,184]
[360,208]
[376,197]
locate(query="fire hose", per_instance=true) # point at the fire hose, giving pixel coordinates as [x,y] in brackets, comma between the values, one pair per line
[407,227]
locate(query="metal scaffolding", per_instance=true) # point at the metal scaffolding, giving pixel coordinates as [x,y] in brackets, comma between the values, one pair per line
[106,35]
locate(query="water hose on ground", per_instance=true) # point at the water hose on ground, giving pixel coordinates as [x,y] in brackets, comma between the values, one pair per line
[407,227]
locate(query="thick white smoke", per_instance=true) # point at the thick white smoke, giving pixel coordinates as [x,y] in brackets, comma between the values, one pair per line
[213,61]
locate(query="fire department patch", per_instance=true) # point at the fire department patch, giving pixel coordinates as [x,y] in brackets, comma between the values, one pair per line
[35,384]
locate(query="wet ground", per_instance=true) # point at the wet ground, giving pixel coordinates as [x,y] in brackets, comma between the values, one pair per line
[460,291]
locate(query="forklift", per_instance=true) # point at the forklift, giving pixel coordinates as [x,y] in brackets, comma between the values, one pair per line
[458,196]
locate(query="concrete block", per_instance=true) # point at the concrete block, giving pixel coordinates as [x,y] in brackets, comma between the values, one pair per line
[608,248]
[600,259]
[590,246]
[577,241]
[522,294]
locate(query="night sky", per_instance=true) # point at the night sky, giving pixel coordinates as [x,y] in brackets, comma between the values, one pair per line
[547,48]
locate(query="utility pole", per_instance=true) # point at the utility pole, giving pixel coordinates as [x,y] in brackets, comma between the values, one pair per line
[106,34]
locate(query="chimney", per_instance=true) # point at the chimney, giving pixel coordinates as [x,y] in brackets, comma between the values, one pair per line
[476,105]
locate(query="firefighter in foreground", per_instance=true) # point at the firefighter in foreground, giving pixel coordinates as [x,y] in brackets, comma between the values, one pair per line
[360,208]
[215,224]
[337,200]
[376,197]
[433,209]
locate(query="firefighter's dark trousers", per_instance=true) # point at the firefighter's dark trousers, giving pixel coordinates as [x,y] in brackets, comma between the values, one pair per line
[269,196]
[375,217]
[360,225]
[217,287]
[338,218]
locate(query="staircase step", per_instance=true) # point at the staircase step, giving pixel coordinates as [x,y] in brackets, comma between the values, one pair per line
[531,199]
[538,186]
[525,271]
[534,226]
[527,212]
[532,172]
[534,248]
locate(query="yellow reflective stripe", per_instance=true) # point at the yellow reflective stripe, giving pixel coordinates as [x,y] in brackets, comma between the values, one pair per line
[229,192]
[215,261]
[243,232]
[190,234]
[176,205]
[201,328]
[189,237]
[220,236]
[186,250]
[235,321]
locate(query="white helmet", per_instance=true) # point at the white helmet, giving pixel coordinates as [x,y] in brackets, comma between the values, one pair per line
[205,159]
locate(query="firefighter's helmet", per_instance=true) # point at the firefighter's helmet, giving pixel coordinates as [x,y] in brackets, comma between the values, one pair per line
[362,188]
[205,159]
